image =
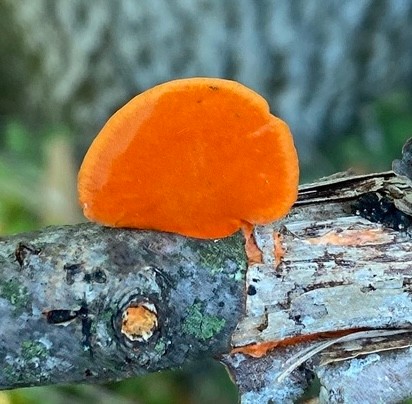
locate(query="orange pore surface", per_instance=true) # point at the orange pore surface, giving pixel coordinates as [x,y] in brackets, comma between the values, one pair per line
[199,157]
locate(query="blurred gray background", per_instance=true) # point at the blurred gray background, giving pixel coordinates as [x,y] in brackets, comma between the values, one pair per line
[338,71]
[319,64]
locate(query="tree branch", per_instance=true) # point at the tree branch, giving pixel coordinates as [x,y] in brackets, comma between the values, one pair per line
[87,303]
[93,304]
[340,263]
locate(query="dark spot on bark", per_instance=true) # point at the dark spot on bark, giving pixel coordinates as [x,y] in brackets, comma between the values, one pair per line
[86,332]
[367,289]
[98,276]
[71,271]
[251,290]
[83,314]
[23,250]
[302,368]
[407,282]
[285,305]
[263,325]
[296,318]
[60,316]
[378,208]
[324,285]
[338,258]
[221,304]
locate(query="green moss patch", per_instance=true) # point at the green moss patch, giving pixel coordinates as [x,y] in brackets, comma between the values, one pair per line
[215,255]
[200,325]
[32,349]
[16,294]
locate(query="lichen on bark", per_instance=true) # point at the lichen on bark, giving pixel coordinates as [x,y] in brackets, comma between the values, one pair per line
[64,290]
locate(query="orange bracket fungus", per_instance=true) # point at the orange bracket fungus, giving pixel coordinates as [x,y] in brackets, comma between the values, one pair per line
[202,157]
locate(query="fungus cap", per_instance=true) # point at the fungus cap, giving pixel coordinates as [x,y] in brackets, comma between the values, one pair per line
[201,157]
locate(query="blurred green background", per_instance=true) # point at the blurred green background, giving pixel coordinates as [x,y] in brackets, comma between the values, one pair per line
[40,153]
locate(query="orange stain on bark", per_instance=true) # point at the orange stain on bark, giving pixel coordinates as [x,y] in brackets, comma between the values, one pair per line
[352,237]
[253,253]
[279,251]
[257,350]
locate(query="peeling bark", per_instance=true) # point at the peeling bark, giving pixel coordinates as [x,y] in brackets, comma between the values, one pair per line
[341,262]
[339,270]
[87,303]
[383,377]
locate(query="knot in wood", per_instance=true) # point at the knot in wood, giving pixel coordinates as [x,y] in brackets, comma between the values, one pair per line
[139,321]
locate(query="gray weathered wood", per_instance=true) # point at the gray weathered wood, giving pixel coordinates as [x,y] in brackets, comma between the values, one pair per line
[340,270]
[63,291]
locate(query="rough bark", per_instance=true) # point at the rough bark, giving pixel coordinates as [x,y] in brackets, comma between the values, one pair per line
[339,263]
[339,270]
[64,292]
